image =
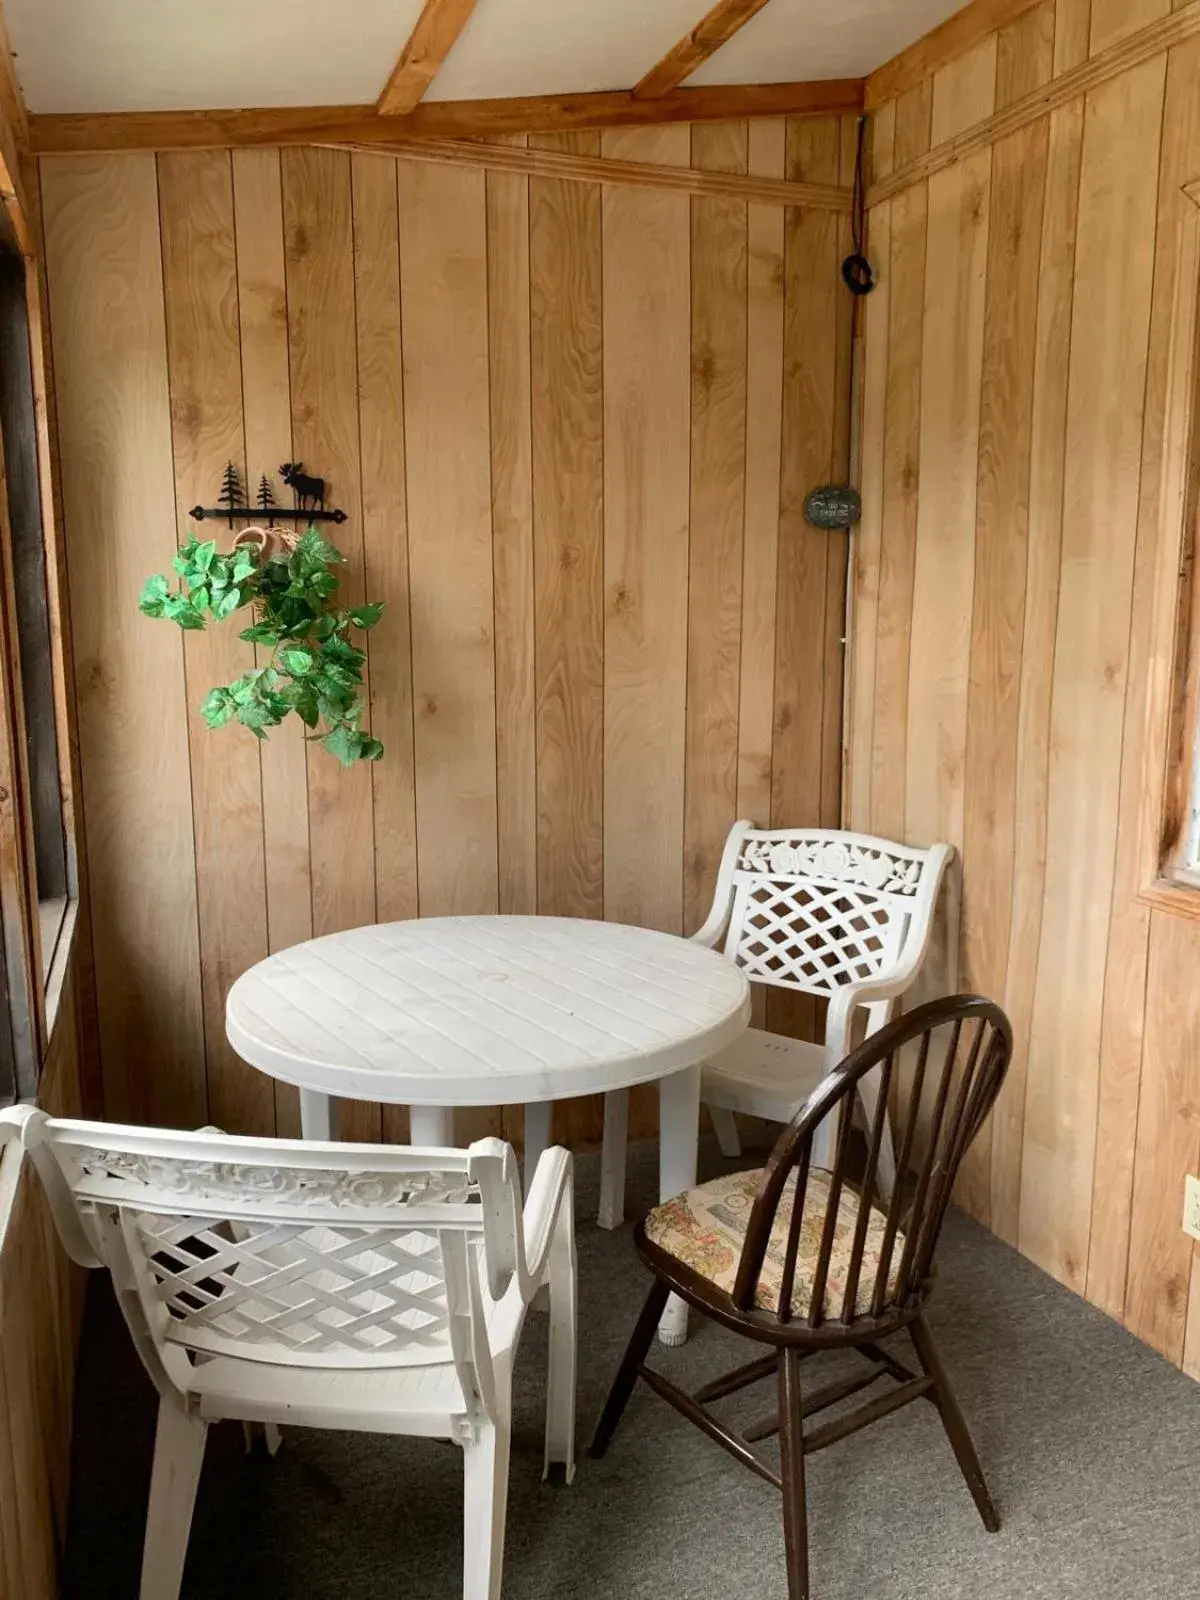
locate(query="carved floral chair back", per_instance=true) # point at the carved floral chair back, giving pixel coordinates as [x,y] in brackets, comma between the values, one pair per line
[286,1253]
[825,912]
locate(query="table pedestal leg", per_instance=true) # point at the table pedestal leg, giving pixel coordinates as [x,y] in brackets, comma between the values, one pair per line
[678,1137]
[431,1127]
[537,1135]
[318,1115]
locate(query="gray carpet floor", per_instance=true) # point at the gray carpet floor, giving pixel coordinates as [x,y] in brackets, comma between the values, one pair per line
[1091,1444]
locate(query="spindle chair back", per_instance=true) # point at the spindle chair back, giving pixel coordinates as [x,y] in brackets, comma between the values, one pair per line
[806,1258]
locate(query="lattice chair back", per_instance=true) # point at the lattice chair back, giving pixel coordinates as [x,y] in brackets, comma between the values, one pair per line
[822,911]
[288,1253]
[832,1251]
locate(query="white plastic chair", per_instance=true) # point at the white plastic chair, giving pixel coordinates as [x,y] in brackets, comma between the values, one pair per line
[323,1285]
[842,916]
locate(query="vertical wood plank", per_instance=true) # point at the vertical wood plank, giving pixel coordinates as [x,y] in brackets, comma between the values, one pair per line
[901,470]
[443,254]
[512,534]
[385,528]
[1113,20]
[764,426]
[1114,266]
[1168,1140]
[866,539]
[568,533]
[951,376]
[1072,31]
[105,276]
[1001,534]
[1025,54]
[842,469]
[319,235]
[646,437]
[319,252]
[267,426]
[204,371]
[1046,472]
[810,405]
[718,472]
[809,411]
[267,422]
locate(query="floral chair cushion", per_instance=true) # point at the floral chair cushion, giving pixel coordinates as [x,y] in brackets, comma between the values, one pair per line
[706,1227]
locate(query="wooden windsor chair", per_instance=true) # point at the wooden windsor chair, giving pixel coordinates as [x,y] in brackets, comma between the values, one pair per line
[804,1259]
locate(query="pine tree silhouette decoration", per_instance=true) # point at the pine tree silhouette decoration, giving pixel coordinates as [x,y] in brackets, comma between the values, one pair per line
[265,500]
[231,492]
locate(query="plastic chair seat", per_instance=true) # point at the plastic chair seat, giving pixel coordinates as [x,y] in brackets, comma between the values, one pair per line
[763,1075]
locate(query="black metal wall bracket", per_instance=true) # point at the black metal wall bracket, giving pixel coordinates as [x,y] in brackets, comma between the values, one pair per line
[233,509]
[232,514]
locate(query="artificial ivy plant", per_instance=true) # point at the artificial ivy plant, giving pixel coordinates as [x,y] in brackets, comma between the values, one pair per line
[313,669]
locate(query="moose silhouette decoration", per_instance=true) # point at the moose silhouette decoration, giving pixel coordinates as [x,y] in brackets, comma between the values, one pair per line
[308,491]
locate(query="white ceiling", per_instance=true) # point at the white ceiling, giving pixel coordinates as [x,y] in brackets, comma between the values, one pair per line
[166,55]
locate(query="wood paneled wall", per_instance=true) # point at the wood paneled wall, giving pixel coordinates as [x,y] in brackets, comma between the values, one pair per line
[41,1305]
[1015,384]
[573,428]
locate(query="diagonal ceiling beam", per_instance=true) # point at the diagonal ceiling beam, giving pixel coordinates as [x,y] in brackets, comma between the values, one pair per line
[705,39]
[438,26]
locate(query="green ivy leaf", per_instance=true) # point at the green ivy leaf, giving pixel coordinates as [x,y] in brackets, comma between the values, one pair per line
[153,596]
[371,750]
[199,597]
[226,604]
[367,616]
[180,609]
[203,554]
[260,633]
[344,743]
[302,698]
[218,707]
[298,662]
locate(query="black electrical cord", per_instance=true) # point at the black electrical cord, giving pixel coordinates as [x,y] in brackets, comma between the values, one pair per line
[838,505]
[857,271]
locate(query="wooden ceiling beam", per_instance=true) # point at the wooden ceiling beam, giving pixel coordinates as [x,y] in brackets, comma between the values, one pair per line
[290,125]
[694,49]
[438,26]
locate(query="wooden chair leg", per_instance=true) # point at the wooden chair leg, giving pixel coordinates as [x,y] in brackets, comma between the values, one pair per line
[627,1372]
[954,1422]
[791,1462]
[178,1457]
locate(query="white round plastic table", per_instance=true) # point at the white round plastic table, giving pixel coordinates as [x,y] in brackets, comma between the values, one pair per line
[476,1011]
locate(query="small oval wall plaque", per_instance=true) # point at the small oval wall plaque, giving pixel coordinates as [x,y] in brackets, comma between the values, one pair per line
[833,506]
